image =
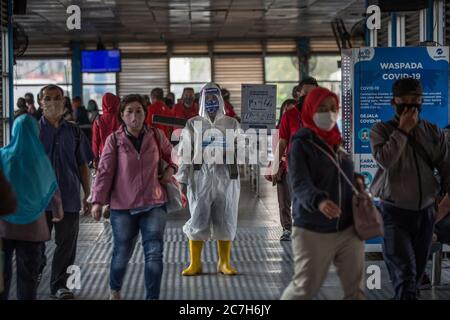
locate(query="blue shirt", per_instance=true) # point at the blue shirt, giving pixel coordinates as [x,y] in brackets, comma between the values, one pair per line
[67,153]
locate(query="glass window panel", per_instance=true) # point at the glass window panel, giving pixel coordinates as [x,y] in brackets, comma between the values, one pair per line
[177,89]
[90,78]
[43,71]
[324,67]
[282,68]
[284,91]
[190,69]
[96,92]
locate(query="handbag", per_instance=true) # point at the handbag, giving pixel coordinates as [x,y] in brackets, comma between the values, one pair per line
[176,200]
[366,217]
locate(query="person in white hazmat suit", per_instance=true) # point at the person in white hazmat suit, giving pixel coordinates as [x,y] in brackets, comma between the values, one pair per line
[213,185]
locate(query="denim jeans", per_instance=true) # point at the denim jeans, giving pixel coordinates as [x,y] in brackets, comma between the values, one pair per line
[125,228]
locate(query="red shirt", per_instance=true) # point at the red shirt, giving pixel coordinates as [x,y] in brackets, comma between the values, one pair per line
[229,110]
[290,123]
[180,111]
[159,108]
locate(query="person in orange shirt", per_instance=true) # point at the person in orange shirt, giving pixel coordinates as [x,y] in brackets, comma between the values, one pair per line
[186,108]
[158,107]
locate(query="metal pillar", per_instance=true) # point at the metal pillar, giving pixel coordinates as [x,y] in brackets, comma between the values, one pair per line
[401,31]
[439,21]
[303,52]
[392,30]
[429,21]
[371,36]
[76,70]
[10,63]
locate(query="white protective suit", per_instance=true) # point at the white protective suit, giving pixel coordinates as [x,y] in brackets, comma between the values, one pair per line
[213,196]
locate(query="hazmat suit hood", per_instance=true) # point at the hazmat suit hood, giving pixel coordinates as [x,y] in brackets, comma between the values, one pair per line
[211,98]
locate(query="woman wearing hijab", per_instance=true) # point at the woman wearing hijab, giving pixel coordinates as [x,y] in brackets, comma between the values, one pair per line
[104,125]
[34,184]
[323,231]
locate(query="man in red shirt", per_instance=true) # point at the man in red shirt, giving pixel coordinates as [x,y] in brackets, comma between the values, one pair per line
[159,108]
[290,123]
[229,110]
[186,108]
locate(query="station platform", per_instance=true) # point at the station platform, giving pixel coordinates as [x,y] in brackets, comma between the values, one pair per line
[264,263]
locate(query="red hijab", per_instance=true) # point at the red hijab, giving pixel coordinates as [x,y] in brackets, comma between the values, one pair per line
[310,107]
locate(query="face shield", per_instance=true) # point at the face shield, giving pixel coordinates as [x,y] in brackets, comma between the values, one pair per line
[211,102]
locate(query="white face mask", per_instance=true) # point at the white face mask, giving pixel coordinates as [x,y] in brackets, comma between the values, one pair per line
[325,120]
[53,109]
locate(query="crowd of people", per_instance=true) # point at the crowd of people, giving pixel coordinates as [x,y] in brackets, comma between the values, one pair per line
[124,146]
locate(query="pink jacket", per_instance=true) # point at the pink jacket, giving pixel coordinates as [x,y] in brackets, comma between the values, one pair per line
[129,180]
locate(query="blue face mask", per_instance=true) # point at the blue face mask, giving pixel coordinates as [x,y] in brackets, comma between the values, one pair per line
[212,105]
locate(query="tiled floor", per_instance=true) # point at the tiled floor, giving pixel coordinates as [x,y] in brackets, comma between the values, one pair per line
[264,263]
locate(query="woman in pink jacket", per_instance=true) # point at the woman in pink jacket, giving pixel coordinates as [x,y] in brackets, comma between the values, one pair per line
[128,180]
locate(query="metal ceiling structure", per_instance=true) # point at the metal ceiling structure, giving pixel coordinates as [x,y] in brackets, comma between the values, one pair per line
[187,20]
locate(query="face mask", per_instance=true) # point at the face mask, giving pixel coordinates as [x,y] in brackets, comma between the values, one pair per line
[53,109]
[212,105]
[399,108]
[188,100]
[134,121]
[325,120]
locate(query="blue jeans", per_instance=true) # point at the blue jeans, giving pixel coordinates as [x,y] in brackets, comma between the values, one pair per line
[125,228]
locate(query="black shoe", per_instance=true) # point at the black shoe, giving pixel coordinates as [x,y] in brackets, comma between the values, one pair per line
[63,294]
[425,283]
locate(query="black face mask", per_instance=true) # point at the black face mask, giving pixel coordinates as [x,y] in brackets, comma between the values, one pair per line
[399,108]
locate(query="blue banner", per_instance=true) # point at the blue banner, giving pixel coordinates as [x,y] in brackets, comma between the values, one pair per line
[376,69]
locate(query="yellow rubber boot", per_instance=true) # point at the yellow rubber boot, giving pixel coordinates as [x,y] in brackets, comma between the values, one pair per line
[195,249]
[223,266]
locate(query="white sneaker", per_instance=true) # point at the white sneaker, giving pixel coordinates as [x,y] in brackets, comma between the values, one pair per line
[114,295]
